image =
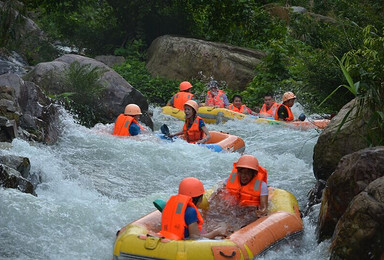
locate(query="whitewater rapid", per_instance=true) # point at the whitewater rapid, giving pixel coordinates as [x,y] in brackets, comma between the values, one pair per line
[93,183]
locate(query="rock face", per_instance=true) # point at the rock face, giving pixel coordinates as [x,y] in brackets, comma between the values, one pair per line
[118,92]
[359,234]
[24,105]
[14,173]
[181,59]
[331,147]
[353,174]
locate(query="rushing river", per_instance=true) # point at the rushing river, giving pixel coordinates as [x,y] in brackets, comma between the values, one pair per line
[93,183]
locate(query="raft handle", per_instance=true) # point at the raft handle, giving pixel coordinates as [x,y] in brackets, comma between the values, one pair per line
[232,255]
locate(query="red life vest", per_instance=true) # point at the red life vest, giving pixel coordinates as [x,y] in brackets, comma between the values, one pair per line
[290,115]
[248,195]
[243,109]
[173,217]
[270,112]
[217,100]
[122,125]
[194,133]
[180,98]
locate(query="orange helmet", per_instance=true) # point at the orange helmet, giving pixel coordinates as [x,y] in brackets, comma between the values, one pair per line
[132,110]
[192,104]
[248,161]
[288,95]
[191,186]
[185,85]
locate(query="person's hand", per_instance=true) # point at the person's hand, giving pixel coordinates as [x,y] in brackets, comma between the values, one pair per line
[222,230]
[261,213]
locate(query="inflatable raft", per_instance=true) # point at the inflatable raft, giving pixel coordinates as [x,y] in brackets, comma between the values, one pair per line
[140,239]
[212,115]
[220,141]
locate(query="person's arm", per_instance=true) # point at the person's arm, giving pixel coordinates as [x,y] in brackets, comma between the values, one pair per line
[207,135]
[176,134]
[282,113]
[226,101]
[263,208]
[171,101]
[194,232]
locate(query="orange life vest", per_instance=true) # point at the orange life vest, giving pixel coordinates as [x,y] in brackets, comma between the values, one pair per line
[180,98]
[270,112]
[193,134]
[243,109]
[248,195]
[122,125]
[217,100]
[290,115]
[173,217]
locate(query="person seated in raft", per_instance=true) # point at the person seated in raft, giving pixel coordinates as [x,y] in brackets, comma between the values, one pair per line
[215,97]
[248,184]
[178,100]
[238,106]
[269,108]
[284,112]
[127,124]
[194,126]
[181,219]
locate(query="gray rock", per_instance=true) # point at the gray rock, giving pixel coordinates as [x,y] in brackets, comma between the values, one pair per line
[359,234]
[30,109]
[331,147]
[353,174]
[10,178]
[181,59]
[110,60]
[118,94]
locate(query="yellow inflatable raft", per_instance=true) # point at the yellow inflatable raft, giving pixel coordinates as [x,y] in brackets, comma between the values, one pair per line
[140,239]
[212,115]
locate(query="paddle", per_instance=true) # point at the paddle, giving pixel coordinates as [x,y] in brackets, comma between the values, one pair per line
[165,131]
[159,204]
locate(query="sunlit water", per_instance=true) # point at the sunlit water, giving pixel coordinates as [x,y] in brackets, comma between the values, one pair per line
[94,183]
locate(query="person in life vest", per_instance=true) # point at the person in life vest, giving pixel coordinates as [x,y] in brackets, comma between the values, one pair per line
[284,112]
[215,97]
[269,107]
[247,183]
[194,130]
[184,94]
[238,106]
[127,124]
[180,217]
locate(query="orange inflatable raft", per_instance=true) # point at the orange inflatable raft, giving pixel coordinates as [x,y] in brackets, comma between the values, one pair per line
[140,239]
[221,141]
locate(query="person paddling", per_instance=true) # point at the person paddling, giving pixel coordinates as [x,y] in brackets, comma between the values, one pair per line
[194,130]
[216,97]
[238,106]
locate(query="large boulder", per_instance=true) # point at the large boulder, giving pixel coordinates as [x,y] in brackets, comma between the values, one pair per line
[118,91]
[359,234]
[181,59]
[353,174]
[29,108]
[332,144]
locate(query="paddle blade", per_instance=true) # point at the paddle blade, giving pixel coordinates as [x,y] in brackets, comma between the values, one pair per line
[164,130]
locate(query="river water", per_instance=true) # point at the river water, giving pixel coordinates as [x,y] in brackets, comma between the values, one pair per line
[93,183]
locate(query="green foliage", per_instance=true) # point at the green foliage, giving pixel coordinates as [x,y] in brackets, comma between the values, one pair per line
[85,89]
[89,25]
[366,64]
[11,19]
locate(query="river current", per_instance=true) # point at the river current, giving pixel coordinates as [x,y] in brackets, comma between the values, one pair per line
[93,183]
